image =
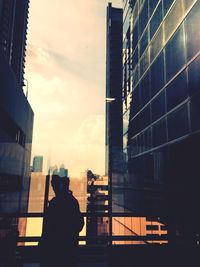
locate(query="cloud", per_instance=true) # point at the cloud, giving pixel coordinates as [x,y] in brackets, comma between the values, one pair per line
[66,75]
[90,130]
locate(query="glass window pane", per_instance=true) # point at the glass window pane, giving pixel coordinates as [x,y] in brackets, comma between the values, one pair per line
[135,58]
[159,133]
[193,76]
[177,91]
[178,123]
[157,74]
[145,118]
[156,20]
[192,31]
[144,62]
[135,36]
[173,19]
[158,106]
[157,43]
[175,54]
[147,139]
[152,5]
[195,112]
[144,90]
[144,41]
[135,75]
[143,18]
[167,4]
[188,4]
[135,104]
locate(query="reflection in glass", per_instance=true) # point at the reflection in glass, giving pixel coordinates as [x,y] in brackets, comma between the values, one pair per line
[138,226]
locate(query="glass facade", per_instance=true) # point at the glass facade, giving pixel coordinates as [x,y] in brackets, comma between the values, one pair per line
[16,123]
[16,118]
[161,57]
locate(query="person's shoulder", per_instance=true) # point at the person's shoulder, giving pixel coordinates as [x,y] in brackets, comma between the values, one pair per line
[52,202]
[72,197]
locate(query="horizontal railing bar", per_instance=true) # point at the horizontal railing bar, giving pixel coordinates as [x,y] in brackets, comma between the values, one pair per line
[105,238]
[86,214]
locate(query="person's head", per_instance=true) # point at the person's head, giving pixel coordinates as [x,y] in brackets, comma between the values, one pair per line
[60,184]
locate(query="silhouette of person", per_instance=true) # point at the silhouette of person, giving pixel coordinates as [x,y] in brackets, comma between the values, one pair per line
[61,226]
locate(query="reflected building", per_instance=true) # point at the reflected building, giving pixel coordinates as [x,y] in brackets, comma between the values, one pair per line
[161,103]
[37,192]
[16,115]
[63,172]
[37,164]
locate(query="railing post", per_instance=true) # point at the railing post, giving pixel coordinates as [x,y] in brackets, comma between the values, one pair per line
[46,195]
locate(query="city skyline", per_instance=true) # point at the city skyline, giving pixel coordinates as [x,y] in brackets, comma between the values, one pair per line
[66,82]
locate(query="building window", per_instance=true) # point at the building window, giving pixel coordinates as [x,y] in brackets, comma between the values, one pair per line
[195,112]
[166,5]
[144,41]
[158,106]
[173,19]
[156,20]
[157,44]
[192,31]
[175,54]
[144,90]
[177,91]
[157,74]
[159,133]
[178,123]
[194,77]
[152,5]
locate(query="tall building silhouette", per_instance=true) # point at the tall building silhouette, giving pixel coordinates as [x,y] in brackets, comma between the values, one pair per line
[114,118]
[113,88]
[13,27]
[161,97]
[16,115]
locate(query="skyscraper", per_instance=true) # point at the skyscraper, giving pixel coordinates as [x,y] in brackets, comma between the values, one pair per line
[63,172]
[38,164]
[114,141]
[16,115]
[161,97]
[113,88]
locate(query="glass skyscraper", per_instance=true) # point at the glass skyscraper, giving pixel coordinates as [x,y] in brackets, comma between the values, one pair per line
[161,108]
[16,115]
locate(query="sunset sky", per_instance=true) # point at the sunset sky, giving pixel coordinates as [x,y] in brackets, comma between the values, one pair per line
[65,69]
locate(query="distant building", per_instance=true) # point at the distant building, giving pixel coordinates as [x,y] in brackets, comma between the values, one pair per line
[37,164]
[37,192]
[62,171]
